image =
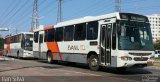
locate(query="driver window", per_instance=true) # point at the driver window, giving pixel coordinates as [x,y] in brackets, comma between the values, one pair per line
[41,38]
[103,36]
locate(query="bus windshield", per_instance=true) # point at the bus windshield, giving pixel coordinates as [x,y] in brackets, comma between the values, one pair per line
[28,42]
[134,36]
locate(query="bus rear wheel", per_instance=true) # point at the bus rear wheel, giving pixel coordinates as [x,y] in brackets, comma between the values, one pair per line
[49,57]
[93,63]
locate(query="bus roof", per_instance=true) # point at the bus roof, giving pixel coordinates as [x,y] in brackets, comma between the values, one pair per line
[84,19]
[87,19]
[23,33]
[20,33]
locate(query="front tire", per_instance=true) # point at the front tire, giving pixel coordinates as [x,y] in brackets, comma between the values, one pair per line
[93,62]
[49,57]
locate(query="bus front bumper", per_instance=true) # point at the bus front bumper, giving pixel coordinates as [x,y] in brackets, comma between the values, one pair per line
[137,63]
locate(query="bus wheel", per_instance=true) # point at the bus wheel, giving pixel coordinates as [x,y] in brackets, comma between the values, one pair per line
[93,63]
[49,57]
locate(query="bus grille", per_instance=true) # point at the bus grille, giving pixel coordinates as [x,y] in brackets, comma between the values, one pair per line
[141,58]
[140,54]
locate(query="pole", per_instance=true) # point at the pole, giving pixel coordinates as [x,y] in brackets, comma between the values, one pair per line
[118,5]
[35,16]
[59,14]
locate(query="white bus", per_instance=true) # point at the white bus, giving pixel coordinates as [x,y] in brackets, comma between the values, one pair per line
[19,45]
[118,40]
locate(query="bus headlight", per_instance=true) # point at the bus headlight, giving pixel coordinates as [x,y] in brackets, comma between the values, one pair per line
[126,58]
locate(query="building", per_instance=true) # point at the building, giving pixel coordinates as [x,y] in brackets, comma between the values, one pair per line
[154,20]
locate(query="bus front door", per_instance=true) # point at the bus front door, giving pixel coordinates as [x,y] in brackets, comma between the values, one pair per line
[105,42]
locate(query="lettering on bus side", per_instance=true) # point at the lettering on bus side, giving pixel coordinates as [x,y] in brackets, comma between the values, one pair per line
[76,47]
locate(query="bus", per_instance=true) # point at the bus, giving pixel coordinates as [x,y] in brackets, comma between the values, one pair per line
[119,40]
[19,45]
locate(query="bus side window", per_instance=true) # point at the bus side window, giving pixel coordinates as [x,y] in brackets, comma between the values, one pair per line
[92,30]
[80,32]
[51,35]
[36,34]
[68,33]
[41,38]
[59,34]
[114,35]
[23,42]
[45,35]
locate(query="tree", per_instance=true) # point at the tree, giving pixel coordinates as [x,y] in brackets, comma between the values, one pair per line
[157,45]
[1,43]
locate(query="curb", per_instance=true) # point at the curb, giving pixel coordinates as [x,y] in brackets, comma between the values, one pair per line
[5,58]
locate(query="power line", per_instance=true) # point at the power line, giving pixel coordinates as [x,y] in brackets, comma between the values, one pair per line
[16,12]
[9,6]
[26,14]
[91,9]
[22,20]
[47,9]
[6,15]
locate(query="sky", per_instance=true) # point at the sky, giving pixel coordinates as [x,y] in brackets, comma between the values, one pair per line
[17,14]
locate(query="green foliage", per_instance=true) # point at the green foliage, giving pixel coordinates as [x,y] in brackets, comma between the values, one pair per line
[157,45]
[1,43]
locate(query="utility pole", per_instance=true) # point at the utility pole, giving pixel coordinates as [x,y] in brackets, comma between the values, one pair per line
[59,14]
[118,5]
[35,16]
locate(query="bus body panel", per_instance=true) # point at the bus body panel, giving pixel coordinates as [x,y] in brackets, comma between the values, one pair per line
[14,45]
[136,58]
[79,50]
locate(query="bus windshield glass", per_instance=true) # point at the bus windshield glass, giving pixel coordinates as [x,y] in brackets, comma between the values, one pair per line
[28,41]
[134,35]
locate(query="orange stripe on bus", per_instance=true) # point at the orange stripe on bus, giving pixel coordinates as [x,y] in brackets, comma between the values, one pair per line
[8,48]
[48,27]
[53,46]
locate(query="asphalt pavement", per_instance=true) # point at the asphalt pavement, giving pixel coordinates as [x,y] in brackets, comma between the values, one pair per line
[29,70]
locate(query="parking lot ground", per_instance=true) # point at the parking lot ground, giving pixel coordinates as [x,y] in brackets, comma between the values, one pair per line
[40,71]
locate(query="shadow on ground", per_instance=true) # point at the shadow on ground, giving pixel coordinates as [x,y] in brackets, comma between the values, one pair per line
[60,64]
[129,71]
